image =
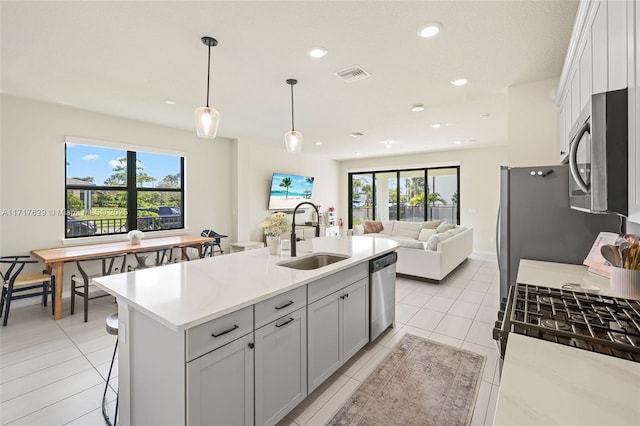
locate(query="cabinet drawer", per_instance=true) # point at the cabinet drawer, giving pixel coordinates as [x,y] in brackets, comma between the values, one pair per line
[213,334]
[272,309]
[325,286]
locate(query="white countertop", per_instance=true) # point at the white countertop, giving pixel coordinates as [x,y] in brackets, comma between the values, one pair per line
[554,275]
[187,294]
[545,383]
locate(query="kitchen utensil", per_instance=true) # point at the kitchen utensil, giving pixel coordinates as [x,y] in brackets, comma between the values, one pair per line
[632,254]
[612,255]
[625,254]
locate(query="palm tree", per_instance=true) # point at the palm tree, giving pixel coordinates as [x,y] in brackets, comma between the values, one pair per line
[434,198]
[286,184]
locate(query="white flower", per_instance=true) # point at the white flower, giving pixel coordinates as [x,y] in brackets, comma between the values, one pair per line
[276,224]
[135,234]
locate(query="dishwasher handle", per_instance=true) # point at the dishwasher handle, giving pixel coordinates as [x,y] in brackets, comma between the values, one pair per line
[382,262]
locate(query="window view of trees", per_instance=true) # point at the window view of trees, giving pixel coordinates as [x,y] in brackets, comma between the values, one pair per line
[105,197]
[407,195]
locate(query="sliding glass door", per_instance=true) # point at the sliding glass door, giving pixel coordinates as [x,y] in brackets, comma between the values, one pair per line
[442,198]
[386,187]
[360,198]
[413,195]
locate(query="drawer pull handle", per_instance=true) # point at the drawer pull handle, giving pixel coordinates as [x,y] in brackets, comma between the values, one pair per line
[285,323]
[344,296]
[289,303]
[226,331]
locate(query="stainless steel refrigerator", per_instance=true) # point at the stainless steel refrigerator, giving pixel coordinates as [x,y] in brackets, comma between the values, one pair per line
[535,221]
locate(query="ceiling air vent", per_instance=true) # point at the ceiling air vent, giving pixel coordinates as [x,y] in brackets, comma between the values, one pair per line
[353,73]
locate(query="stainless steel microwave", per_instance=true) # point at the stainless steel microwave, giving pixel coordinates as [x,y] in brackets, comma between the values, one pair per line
[598,155]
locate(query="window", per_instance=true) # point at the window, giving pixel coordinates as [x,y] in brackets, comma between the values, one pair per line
[104,196]
[413,195]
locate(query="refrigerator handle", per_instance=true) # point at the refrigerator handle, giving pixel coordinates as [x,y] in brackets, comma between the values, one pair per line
[498,234]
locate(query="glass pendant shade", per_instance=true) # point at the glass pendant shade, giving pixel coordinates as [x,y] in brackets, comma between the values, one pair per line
[293,141]
[207,120]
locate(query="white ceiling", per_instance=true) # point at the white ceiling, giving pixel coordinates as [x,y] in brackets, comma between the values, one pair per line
[125,58]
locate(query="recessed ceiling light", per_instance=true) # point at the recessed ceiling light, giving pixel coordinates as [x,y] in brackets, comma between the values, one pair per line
[449,124]
[417,108]
[356,153]
[317,52]
[356,134]
[459,81]
[485,115]
[436,125]
[169,102]
[457,142]
[430,30]
[318,143]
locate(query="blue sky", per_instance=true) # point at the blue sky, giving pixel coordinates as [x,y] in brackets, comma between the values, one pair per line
[98,162]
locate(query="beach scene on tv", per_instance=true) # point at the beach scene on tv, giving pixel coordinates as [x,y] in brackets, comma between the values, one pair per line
[288,190]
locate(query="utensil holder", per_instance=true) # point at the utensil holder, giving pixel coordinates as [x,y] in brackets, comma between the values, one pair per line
[625,282]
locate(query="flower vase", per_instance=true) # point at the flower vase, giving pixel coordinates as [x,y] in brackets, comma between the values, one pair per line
[273,242]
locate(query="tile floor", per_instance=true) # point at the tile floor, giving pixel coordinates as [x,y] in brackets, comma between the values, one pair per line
[53,372]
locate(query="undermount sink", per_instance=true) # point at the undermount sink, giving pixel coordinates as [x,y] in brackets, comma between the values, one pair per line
[314,261]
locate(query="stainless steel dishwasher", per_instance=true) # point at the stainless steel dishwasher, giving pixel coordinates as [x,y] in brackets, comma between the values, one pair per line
[382,291]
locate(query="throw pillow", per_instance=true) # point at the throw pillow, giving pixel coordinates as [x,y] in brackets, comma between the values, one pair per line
[432,244]
[432,224]
[358,229]
[406,229]
[444,227]
[425,234]
[372,226]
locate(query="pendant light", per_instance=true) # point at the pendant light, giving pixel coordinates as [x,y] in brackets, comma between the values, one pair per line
[293,138]
[207,118]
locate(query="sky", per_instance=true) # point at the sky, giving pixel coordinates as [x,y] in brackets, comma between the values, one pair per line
[98,162]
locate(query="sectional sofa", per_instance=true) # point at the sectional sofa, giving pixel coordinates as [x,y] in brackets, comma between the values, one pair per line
[428,250]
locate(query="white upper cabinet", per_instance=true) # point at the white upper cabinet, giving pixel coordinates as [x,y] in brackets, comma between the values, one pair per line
[575,94]
[617,44]
[586,64]
[599,48]
[633,67]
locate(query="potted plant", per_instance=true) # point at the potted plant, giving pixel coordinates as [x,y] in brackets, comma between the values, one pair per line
[273,226]
[135,236]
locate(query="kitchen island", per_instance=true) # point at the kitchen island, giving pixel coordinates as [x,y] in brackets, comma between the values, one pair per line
[548,383]
[197,340]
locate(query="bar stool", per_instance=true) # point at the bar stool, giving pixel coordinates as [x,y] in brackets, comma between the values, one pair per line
[112,328]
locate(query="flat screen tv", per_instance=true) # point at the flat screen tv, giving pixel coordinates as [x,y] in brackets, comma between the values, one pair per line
[288,190]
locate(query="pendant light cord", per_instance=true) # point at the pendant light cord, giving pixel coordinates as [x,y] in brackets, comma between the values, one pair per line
[292,125]
[208,74]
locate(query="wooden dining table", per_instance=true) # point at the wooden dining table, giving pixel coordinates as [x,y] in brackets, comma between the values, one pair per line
[55,258]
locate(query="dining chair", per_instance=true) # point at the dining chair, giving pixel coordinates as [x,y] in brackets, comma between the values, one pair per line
[152,258]
[213,244]
[17,284]
[80,283]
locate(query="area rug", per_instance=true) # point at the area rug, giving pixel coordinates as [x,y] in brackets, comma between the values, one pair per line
[420,382]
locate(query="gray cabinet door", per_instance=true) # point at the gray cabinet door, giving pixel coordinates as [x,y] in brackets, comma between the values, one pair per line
[281,367]
[220,385]
[324,338]
[355,306]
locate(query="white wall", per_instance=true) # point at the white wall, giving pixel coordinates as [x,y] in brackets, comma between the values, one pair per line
[479,184]
[33,168]
[532,125]
[254,169]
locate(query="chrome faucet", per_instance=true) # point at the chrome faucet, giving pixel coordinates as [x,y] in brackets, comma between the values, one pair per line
[293,226]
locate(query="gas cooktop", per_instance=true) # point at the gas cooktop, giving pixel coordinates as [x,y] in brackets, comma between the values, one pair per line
[602,324]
